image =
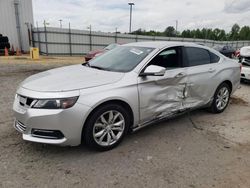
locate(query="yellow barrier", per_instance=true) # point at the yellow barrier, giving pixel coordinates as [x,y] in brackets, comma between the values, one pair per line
[34,53]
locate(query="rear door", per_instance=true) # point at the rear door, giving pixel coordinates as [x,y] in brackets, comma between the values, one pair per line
[201,76]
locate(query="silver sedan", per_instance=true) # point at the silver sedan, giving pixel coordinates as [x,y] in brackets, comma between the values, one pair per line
[125,89]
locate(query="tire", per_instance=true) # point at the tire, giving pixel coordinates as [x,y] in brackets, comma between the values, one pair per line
[221,98]
[100,132]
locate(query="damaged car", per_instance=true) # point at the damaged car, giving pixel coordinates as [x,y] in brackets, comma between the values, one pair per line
[245,61]
[124,90]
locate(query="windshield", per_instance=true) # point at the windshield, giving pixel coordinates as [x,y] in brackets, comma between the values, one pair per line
[121,58]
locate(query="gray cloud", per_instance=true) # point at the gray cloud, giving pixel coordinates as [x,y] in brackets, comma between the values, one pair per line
[147,14]
[237,6]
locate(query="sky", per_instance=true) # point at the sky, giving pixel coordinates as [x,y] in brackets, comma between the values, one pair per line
[107,15]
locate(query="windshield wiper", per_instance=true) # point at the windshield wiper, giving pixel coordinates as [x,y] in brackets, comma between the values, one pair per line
[86,64]
[100,68]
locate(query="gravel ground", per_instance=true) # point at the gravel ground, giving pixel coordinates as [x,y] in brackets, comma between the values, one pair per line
[194,150]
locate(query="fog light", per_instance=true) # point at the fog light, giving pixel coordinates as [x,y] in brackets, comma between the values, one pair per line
[47,134]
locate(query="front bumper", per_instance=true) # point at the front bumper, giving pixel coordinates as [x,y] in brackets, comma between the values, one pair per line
[68,123]
[245,73]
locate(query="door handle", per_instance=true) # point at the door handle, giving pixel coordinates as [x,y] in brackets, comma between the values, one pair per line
[180,75]
[211,70]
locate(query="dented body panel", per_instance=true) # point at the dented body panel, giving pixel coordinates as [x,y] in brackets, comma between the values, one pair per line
[161,96]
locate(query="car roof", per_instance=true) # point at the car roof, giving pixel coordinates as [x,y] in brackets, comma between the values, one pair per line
[162,44]
[167,44]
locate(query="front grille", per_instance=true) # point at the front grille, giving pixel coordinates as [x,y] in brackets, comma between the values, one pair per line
[20,126]
[247,59]
[47,134]
[246,64]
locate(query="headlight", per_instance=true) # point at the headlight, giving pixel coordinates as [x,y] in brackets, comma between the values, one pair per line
[63,103]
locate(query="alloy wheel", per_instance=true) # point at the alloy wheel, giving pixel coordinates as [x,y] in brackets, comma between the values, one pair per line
[108,128]
[222,98]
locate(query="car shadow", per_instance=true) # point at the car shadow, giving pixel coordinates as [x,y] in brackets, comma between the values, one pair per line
[245,82]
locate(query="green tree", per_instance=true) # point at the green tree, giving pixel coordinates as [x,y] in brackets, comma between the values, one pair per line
[186,34]
[138,32]
[170,31]
[244,33]
[234,34]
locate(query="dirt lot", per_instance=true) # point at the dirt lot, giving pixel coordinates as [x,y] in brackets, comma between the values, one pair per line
[195,150]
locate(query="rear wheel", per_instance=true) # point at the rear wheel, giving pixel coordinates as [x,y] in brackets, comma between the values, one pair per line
[106,127]
[221,98]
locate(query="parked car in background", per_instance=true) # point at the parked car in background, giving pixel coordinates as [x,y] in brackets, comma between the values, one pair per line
[95,53]
[245,61]
[237,53]
[4,43]
[227,51]
[127,88]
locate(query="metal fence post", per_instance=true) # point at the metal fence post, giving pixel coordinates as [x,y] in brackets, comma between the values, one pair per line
[70,44]
[90,38]
[116,35]
[32,35]
[38,38]
[46,39]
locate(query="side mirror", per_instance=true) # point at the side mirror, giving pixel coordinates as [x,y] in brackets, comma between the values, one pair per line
[153,70]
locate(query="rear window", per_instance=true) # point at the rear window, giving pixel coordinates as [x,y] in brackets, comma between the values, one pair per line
[214,58]
[197,56]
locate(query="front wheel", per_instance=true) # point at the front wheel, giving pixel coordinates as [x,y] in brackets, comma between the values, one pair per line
[221,98]
[106,127]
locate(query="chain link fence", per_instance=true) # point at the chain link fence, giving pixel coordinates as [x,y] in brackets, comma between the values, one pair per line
[69,42]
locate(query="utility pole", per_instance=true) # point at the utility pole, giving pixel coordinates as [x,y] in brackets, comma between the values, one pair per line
[60,23]
[176,26]
[116,35]
[130,4]
[45,23]
[90,37]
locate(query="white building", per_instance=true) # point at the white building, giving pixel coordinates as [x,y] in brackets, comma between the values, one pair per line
[15,18]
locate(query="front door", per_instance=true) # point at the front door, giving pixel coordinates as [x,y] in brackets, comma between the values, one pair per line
[162,96]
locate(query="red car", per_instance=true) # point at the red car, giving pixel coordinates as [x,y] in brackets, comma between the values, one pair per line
[95,53]
[237,53]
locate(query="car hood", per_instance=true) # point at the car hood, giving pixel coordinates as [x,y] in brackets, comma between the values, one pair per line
[69,78]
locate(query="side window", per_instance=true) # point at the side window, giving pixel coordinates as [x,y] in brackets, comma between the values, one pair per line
[197,56]
[214,58]
[169,58]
